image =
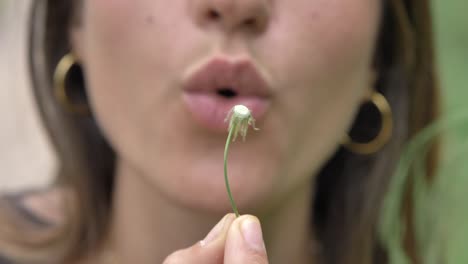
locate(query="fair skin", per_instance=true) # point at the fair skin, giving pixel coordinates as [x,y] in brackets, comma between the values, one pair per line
[316,57]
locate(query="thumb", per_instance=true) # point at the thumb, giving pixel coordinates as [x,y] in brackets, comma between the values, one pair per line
[244,242]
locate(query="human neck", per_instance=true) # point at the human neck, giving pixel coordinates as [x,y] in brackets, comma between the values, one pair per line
[146,227]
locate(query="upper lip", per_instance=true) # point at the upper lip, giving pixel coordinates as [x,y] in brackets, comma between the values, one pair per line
[240,76]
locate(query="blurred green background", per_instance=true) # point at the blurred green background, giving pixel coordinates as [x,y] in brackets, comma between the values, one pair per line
[451,37]
[451,194]
[451,28]
[440,213]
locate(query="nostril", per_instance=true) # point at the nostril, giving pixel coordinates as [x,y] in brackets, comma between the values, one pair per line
[250,22]
[227,92]
[213,14]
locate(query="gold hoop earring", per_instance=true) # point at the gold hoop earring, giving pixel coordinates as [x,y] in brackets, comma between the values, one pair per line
[385,133]
[60,91]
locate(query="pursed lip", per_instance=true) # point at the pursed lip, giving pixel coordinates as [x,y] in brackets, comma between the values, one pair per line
[240,75]
[214,88]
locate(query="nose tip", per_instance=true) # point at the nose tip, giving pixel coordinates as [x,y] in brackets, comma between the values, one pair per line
[232,15]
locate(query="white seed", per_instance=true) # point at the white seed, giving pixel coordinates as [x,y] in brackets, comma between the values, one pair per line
[241,111]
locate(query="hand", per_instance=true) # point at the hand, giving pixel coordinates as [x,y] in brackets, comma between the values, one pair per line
[232,241]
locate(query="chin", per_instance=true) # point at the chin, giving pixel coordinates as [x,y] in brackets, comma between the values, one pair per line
[202,186]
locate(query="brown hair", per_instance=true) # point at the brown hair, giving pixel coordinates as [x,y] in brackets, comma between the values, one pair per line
[350,187]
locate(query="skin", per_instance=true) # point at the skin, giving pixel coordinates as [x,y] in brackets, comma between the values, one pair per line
[317,56]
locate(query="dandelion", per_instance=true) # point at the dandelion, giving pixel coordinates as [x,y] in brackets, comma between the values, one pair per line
[240,118]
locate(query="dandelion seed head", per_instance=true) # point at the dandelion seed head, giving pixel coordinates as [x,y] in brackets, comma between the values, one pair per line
[240,118]
[241,111]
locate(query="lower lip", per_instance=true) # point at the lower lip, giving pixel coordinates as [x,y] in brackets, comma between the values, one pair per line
[210,110]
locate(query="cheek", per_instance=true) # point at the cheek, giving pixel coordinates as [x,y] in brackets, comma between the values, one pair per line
[124,39]
[326,32]
[132,56]
[148,30]
[322,67]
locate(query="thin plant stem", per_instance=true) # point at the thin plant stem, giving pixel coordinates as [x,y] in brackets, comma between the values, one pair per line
[226,148]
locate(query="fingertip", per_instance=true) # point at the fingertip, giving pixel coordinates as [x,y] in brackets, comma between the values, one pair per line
[252,233]
[244,243]
[238,220]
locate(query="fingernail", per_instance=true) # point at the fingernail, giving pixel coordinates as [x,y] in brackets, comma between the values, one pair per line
[214,233]
[252,233]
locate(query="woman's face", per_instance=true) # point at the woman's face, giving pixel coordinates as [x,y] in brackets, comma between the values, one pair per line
[303,66]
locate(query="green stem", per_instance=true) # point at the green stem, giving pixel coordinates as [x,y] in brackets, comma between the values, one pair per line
[226,148]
